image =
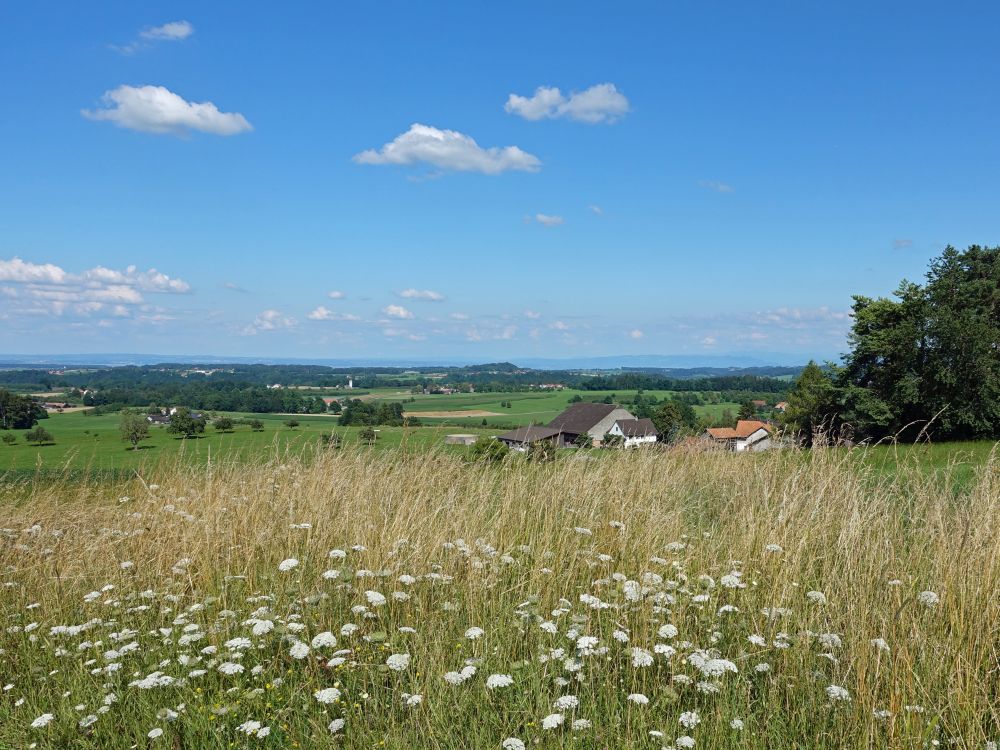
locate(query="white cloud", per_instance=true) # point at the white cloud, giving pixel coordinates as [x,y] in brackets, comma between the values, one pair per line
[397,311]
[21,271]
[322,313]
[506,333]
[636,334]
[448,149]
[559,325]
[532,314]
[155,109]
[232,286]
[336,294]
[170,32]
[547,220]
[902,244]
[426,294]
[458,316]
[600,103]
[269,320]
[708,341]
[48,289]
[719,187]
[595,209]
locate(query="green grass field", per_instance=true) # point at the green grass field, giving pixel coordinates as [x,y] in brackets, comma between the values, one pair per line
[93,442]
[538,407]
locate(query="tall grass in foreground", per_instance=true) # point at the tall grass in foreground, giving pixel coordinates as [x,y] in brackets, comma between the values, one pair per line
[401,600]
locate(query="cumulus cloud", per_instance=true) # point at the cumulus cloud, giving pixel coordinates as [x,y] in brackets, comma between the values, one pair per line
[269,320]
[449,150]
[322,313]
[547,220]
[532,314]
[48,289]
[636,334]
[397,311]
[479,333]
[335,294]
[425,294]
[173,31]
[600,103]
[155,109]
[719,187]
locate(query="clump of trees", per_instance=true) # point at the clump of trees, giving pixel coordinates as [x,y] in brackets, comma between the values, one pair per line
[926,361]
[39,436]
[19,412]
[185,424]
[357,412]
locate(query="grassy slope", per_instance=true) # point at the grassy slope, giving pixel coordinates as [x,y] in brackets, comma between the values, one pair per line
[536,537]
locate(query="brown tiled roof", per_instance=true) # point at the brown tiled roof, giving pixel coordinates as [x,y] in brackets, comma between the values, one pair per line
[744,429]
[579,418]
[528,434]
[637,427]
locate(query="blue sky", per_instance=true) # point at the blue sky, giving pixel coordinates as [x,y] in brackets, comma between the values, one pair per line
[708,178]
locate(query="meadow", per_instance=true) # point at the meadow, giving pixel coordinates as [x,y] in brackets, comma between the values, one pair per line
[93,442]
[390,598]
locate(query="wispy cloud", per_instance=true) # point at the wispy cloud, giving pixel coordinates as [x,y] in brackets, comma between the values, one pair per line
[336,294]
[233,286]
[174,31]
[532,314]
[450,150]
[901,244]
[322,313]
[548,220]
[155,109]
[595,209]
[424,294]
[719,187]
[600,103]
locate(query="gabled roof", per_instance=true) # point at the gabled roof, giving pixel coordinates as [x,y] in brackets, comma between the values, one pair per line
[637,427]
[528,434]
[582,417]
[744,429]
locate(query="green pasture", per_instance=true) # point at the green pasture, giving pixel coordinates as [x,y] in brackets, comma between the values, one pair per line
[93,442]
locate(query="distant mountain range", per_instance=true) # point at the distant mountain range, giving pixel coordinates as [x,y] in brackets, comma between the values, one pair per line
[633,361]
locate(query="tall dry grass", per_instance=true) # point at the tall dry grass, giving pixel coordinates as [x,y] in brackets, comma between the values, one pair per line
[505,548]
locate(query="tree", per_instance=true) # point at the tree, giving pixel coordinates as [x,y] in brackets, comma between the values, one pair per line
[223,424]
[185,424]
[612,441]
[39,435]
[584,441]
[747,411]
[291,424]
[368,435]
[331,440]
[813,405]
[256,425]
[9,438]
[674,419]
[19,412]
[133,428]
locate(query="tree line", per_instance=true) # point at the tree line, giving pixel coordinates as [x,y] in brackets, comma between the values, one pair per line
[926,362]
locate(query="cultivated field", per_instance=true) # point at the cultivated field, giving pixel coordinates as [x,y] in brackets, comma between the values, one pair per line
[407,600]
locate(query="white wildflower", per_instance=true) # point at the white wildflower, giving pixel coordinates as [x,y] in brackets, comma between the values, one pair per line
[286,565]
[552,721]
[638,698]
[327,695]
[398,662]
[495,681]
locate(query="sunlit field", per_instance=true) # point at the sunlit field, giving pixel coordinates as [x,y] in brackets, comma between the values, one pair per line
[390,598]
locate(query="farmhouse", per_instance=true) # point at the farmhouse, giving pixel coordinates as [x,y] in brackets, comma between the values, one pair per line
[635,431]
[521,438]
[781,406]
[748,435]
[160,419]
[593,420]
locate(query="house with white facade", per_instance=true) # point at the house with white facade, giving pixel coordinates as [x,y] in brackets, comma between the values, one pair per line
[748,435]
[634,431]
